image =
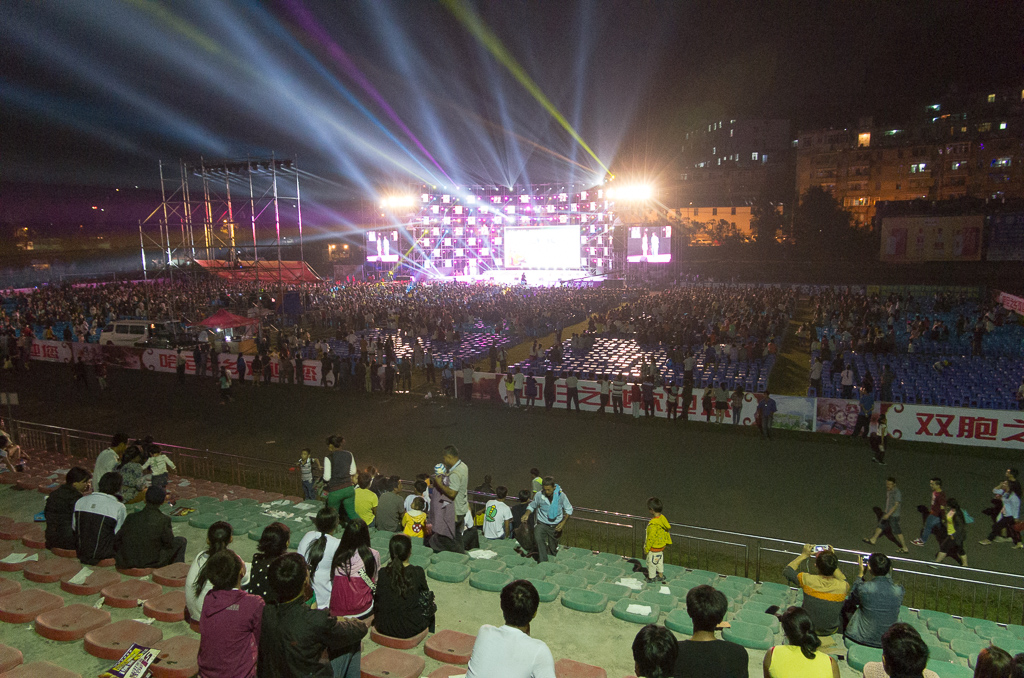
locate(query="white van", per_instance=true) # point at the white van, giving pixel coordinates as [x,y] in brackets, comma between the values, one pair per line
[164,334]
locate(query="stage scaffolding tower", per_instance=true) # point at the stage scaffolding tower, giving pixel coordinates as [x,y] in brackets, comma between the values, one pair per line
[210,226]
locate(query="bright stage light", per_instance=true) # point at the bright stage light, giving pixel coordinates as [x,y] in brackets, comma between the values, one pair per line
[397,201]
[631,193]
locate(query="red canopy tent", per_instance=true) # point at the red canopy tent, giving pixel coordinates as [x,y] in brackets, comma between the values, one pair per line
[224,318]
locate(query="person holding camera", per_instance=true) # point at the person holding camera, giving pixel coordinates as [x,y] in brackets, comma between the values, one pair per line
[824,592]
[873,605]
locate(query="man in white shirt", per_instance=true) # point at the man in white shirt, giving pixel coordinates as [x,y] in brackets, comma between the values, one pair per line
[509,651]
[109,458]
[518,380]
[498,516]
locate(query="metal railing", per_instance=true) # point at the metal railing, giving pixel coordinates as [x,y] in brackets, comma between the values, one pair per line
[988,594]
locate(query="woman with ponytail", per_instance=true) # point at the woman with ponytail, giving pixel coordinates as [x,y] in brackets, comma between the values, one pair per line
[318,547]
[197,584]
[401,591]
[355,567]
[799,658]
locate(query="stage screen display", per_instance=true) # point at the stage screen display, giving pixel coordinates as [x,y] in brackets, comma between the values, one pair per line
[649,243]
[551,247]
[382,245]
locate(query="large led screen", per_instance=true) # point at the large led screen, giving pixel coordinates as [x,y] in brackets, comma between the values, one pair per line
[649,243]
[382,246]
[552,247]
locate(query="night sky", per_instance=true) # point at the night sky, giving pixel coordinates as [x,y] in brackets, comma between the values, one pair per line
[367,94]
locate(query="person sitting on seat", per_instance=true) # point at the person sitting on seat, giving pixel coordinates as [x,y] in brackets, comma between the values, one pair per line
[654,652]
[874,605]
[229,629]
[97,519]
[704,654]
[904,655]
[147,539]
[397,609]
[60,509]
[799,656]
[824,592]
[509,650]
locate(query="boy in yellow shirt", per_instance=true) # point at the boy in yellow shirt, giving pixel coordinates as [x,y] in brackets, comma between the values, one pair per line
[414,521]
[658,538]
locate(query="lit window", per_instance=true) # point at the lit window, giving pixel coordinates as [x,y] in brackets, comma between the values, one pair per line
[764,157]
[714,150]
[1002,125]
[730,133]
[956,165]
[864,139]
[985,127]
[753,156]
[719,162]
[1001,162]
[991,98]
[918,167]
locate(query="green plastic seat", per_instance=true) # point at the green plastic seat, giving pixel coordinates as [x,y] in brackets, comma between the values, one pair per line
[975,622]
[547,590]
[907,615]
[665,601]
[480,564]
[930,640]
[572,552]
[452,573]
[760,618]
[606,558]
[933,614]
[256,533]
[948,633]
[203,521]
[942,654]
[775,587]
[621,611]
[967,647]
[948,670]
[674,571]
[936,623]
[420,561]
[450,557]
[591,576]
[739,583]
[203,501]
[489,580]
[762,601]
[583,600]
[1014,647]
[704,575]
[753,636]
[677,590]
[549,568]
[513,559]
[614,592]
[997,635]
[680,622]
[568,581]
[526,572]
[611,572]
[859,655]
[240,526]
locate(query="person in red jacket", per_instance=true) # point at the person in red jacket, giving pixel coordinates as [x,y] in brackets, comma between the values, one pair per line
[229,627]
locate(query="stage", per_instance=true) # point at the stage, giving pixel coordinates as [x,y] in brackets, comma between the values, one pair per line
[534,278]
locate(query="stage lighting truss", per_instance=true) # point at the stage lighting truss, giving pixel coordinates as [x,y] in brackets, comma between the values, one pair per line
[461,230]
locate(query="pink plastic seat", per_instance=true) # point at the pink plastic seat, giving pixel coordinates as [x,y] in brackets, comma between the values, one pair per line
[106,562]
[49,570]
[172,575]
[567,668]
[178,658]
[92,585]
[128,593]
[71,622]
[14,530]
[387,663]
[9,547]
[42,670]
[8,586]
[111,641]
[27,482]
[169,607]
[64,553]
[447,670]
[397,643]
[9,658]
[24,606]
[450,647]
[135,571]
[34,538]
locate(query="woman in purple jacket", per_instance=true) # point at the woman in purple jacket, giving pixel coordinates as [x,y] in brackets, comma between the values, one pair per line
[229,628]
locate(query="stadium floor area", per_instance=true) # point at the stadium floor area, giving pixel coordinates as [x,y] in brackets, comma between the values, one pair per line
[815,488]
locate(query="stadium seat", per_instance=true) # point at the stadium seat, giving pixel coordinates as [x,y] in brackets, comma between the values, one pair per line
[583,600]
[547,590]
[48,570]
[448,572]
[71,622]
[753,636]
[9,658]
[93,583]
[549,568]
[525,572]
[568,581]
[967,647]
[621,611]
[14,531]
[8,586]
[172,575]
[448,671]
[34,538]
[178,658]
[859,655]
[615,592]
[387,663]
[169,607]
[397,643]
[489,580]
[942,654]
[42,670]
[760,618]
[64,553]
[450,647]
[24,606]
[680,622]
[136,571]
[111,641]
[974,623]
[590,576]
[996,635]
[948,633]
[611,572]
[665,601]
[128,593]
[450,557]
[481,564]
[567,668]
[947,670]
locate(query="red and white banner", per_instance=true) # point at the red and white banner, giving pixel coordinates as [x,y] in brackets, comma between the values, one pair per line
[1011,302]
[956,426]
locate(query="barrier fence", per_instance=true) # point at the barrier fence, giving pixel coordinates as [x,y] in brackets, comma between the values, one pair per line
[948,588]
